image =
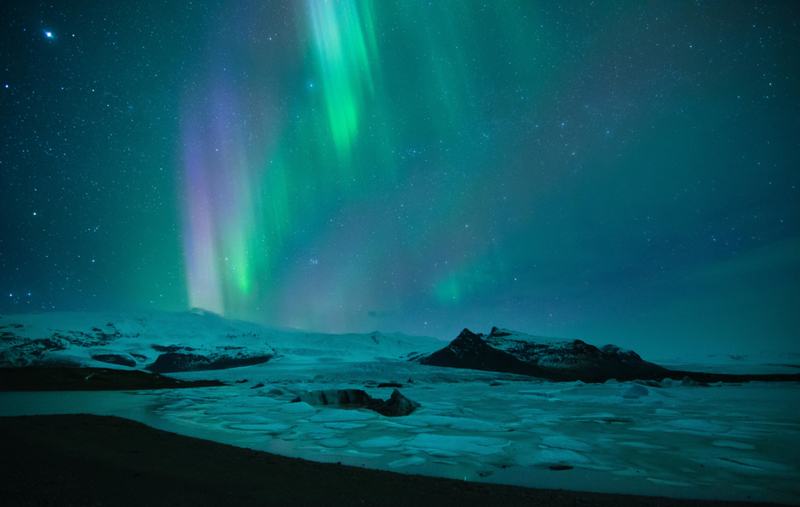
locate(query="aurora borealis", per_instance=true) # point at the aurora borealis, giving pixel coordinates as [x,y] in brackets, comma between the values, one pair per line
[620,172]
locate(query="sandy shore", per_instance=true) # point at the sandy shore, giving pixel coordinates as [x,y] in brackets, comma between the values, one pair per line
[87,460]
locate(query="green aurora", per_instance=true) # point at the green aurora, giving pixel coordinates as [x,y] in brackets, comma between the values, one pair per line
[620,172]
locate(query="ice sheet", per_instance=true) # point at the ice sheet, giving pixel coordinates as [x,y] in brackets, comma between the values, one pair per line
[734,442]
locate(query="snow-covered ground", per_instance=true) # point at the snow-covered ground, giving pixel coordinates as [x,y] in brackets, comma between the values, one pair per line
[752,364]
[736,442]
[139,338]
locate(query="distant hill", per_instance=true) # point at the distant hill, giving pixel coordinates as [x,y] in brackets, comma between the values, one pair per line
[562,360]
[165,342]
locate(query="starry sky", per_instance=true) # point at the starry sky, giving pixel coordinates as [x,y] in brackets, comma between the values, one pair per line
[622,172]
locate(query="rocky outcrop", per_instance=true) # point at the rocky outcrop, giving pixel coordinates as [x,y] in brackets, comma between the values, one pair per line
[76,343]
[470,350]
[355,397]
[566,360]
[396,406]
[26,352]
[115,359]
[51,378]
[551,359]
[171,362]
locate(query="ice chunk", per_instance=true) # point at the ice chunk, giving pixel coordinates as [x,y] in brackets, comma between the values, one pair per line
[301,407]
[551,457]
[273,428]
[438,453]
[458,444]
[635,391]
[334,443]
[643,445]
[338,415]
[667,483]
[379,442]
[549,394]
[563,442]
[696,425]
[414,460]
[604,418]
[732,444]
[344,425]
[743,463]
[666,411]
[457,423]
[247,418]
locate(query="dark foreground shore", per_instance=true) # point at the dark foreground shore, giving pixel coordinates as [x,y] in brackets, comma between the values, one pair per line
[87,460]
[54,378]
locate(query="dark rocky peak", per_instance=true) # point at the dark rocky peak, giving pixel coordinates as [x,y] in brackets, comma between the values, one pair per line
[498,333]
[396,406]
[623,355]
[466,333]
[467,340]
[583,348]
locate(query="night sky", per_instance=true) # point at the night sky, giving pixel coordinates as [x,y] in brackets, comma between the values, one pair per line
[623,172]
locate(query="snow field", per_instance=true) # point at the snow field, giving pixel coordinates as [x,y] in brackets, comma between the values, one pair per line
[734,442]
[730,442]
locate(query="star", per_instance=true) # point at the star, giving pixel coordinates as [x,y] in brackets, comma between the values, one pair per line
[48,34]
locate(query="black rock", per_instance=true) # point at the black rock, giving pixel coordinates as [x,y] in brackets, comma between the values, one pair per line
[470,351]
[396,406]
[336,397]
[114,359]
[175,361]
[390,384]
[565,360]
[28,352]
[170,348]
[89,379]
[561,361]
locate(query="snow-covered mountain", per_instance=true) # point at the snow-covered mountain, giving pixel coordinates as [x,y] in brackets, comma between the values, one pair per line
[186,341]
[558,353]
[550,358]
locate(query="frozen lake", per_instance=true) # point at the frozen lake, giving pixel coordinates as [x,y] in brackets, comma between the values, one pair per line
[733,442]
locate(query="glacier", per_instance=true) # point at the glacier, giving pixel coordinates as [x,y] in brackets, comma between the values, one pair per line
[727,441]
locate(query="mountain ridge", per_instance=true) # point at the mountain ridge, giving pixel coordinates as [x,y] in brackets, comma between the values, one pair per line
[165,342]
[564,360]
